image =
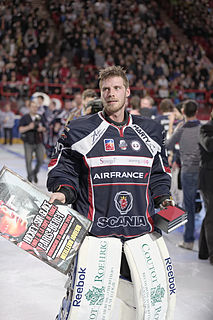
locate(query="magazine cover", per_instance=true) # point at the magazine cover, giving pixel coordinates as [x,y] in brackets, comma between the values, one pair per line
[52,233]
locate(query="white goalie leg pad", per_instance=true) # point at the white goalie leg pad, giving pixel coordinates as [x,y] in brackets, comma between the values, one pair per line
[124,307]
[171,290]
[149,277]
[122,311]
[137,285]
[96,279]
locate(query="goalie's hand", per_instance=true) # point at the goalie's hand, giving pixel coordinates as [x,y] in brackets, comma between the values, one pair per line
[57,196]
[166,203]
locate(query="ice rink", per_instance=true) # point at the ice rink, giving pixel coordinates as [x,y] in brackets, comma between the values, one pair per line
[32,290]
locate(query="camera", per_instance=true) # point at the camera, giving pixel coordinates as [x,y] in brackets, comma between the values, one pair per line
[96,106]
[37,121]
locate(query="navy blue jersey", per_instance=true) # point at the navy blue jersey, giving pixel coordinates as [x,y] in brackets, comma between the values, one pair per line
[163,119]
[115,173]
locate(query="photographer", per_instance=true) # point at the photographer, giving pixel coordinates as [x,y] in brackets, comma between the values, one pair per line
[31,129]
[94,106]
[90,101]
[91,104]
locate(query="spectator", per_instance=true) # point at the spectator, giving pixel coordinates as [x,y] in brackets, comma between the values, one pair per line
[30,39]
[87,96]
[1,122]
[41,106]
[166,108]
[188,138]
[176,120]
[77,107]
[99,58]
[31,129]
[53,125]
[64,71]
[135,107]
[206,187]
[147,107]
[8,120]
[65,112]
[24,109]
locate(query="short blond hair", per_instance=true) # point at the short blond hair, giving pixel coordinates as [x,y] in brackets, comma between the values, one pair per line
[113,71]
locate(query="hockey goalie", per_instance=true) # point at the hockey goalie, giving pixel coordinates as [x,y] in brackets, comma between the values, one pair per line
[112,167]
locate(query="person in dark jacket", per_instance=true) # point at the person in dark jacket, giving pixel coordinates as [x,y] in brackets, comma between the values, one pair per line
[31,129]
[206,188]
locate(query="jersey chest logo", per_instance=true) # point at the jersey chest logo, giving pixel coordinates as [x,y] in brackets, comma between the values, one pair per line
[123,201]
[109,145]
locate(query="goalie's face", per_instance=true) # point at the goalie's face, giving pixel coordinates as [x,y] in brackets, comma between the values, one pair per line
[11,223]
[114,94]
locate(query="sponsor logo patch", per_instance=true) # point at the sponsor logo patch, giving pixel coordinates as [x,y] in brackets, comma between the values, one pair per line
[135,145]
[109,145]
[122,145]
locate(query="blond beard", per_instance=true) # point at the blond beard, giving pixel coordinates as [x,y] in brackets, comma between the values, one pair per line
[112,109]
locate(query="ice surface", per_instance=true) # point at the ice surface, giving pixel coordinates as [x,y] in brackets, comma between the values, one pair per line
[32,290]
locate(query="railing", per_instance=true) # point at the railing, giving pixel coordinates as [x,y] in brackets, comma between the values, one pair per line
[65,91]
[61,91]
[18,88]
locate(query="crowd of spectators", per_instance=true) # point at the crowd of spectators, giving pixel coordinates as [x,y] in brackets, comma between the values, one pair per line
[91,35]
[194,17]
[133,35]
[25,40]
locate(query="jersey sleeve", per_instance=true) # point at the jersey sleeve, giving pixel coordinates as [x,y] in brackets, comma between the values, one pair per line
[65,166]
[160,178]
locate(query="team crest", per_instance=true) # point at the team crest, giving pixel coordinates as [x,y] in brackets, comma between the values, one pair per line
[122,145]
[109,145]
[95,296]
[123,201]
[157,294]
[135,145]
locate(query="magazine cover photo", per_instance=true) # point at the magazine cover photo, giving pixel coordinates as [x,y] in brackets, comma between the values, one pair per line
[53,233]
